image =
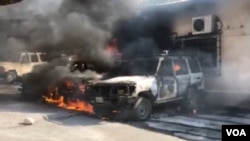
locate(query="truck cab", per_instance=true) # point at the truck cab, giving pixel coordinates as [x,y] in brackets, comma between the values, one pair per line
[12,70]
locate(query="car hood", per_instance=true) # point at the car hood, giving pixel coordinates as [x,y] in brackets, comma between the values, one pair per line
[142,83]
[9,65]
[130,79]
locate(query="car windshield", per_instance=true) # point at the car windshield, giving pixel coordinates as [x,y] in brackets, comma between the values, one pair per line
[144,67]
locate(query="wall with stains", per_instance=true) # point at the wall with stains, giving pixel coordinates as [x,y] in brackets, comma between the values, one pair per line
[235,40]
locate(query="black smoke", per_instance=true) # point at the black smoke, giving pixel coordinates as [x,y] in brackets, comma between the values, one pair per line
[153,28]
[80,27]
[76,27]
[9,2]
[144,34]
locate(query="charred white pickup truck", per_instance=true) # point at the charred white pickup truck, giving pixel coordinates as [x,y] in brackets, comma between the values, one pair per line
[149,82]
[12,70]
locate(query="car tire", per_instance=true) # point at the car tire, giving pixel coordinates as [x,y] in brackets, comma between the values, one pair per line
[142,109]
[192,99]
[11,77]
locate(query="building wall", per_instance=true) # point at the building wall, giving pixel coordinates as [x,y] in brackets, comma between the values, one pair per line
[235,41]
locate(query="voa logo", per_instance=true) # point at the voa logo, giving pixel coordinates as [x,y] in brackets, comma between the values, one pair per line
[236,132]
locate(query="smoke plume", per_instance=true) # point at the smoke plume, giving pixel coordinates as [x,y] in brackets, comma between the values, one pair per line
[154,29]
[76,27]
[80,27]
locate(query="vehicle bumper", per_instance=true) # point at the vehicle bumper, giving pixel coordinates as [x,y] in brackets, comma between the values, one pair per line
[117,103]
[119,108]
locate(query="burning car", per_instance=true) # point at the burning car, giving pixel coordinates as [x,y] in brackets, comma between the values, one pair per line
[66,92]
[148,82]
[69,94]
[63,85]
[57,85]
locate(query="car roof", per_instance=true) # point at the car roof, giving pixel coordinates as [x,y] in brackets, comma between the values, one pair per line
[32,53]
[180,57]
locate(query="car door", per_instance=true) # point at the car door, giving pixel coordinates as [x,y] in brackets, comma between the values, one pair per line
[182,75]
[196,72]
[34,60]
[24,64]
[166,82]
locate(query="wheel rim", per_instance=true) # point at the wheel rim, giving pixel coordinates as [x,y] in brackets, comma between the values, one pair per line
[10,77]
[143,110]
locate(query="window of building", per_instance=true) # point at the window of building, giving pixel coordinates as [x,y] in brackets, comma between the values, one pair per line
[207,48]
[34,58]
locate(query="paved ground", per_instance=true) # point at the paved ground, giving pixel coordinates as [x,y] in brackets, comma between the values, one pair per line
[53,124]
[205,126]
[220,110]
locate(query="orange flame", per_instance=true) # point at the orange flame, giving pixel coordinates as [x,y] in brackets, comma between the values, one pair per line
[76,105]
[112,48]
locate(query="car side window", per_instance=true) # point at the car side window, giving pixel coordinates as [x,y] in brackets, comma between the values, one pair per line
[34,58]
[180,67]
[25,59]
[166,68]
[194,66]
[44,58]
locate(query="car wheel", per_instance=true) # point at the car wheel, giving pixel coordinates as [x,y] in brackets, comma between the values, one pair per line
[11,77]
[192,99]
[143,109]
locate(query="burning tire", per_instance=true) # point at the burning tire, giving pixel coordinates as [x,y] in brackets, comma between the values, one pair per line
[142,109]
